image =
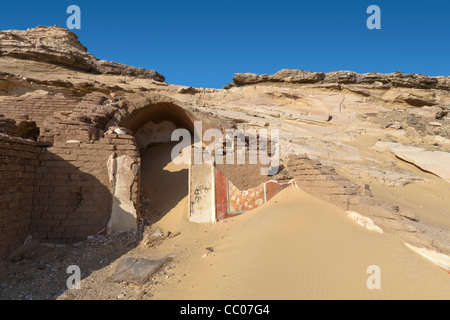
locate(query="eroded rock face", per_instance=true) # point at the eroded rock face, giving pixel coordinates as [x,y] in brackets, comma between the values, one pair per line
[383,177]
[436,162]
[297,76]
[56,45]
[286,75]
[429,112]
[294,76]
[345,77]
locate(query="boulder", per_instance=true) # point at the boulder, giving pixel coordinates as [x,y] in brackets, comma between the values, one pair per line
[345,77]
[249,78]
[137,271]
[433,112]
[392,80]
[297,76]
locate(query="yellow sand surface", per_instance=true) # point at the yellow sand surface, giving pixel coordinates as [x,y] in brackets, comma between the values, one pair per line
[429,201]
[294,247]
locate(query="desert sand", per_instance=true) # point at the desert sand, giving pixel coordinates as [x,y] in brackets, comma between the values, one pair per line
[294,247]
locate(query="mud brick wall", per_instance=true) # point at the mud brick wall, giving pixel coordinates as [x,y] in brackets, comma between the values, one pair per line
[18,162]
[7,126]
[325,183]
[64,130]
[73,194]
[322,181]
[35,108]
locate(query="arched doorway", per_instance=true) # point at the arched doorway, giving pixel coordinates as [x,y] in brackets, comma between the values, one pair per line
[163,184]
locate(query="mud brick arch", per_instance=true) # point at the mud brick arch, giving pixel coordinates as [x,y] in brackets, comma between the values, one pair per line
[155,108]
[147,118]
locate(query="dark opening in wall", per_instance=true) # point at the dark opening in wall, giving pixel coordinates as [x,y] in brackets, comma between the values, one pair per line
[28,130]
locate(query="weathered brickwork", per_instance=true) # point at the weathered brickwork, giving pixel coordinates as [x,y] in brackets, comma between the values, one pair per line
[63,191]
[35,108]
[73,194]
[325,183]
[7,126]
[18,162]
[322,181]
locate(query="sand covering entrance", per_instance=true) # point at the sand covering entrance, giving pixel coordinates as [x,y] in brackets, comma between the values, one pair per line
[295,246]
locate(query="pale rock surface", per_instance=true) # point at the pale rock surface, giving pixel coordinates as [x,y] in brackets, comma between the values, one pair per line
[122,171]
[137,271]
[386,177]
[436,162]
[429,112]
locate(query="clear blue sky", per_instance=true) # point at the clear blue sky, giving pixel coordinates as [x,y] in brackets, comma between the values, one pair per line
[203,43]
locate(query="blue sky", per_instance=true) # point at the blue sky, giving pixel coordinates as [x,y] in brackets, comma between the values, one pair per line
[203,43]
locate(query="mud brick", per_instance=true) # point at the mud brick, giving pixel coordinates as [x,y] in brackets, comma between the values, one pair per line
[24,147]
[73,223]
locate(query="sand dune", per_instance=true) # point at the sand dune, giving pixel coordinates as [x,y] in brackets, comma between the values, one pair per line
[294,247]
[429,201]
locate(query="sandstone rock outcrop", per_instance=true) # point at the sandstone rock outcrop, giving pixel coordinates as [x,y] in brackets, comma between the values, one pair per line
[56,45]
[436,162]
[294,76]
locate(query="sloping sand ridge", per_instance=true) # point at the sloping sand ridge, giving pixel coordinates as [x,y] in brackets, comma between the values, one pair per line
[294,247]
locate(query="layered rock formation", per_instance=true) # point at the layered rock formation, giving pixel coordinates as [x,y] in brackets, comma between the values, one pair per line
[396,79]
[86,111]
[59,46]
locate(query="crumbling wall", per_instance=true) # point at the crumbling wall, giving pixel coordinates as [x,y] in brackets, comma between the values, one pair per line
[7,126]
[75,192]
[73,195]
[85,121]
[124,169]
[322,181]
[18,162]
[325,183]
[35,108]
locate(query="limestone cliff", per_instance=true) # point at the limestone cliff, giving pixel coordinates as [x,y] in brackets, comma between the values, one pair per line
[397,79]
[58,46]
